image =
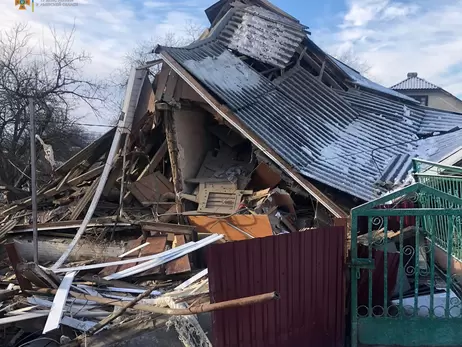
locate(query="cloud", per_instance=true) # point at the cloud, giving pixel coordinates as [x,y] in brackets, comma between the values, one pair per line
[107,29]
[361,12]
[396,37]
[157,4]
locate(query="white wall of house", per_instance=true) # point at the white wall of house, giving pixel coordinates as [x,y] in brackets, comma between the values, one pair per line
[438,99]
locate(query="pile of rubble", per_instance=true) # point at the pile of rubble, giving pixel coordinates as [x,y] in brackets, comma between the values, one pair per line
[121,230]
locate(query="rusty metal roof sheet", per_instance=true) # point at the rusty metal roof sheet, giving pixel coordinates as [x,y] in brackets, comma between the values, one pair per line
[261,34]
[344,139]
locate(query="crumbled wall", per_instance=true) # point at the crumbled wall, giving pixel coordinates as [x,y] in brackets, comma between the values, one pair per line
[193,141]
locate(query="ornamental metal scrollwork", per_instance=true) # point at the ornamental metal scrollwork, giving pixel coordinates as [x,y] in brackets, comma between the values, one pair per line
[377,222]
[424,250]
[409,251]
[415,197]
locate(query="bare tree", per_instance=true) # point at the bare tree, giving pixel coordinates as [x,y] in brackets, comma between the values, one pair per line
[52,76]
[142,53]
[350,58]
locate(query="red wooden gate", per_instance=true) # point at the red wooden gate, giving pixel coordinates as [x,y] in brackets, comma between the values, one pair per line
[305,268]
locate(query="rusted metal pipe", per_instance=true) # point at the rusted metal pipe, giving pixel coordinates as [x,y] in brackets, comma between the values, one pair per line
[250,300]
[115,315]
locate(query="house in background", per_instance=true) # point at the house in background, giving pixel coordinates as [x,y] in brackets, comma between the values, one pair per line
[428,94]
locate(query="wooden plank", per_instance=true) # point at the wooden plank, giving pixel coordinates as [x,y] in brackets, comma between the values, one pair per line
[38,276]
[83,202]
[179,265]
[24,284]
[288,224]
[8,294]
[86,176]
[161,81]
[170,87]
[255,225]
[65,224]
[169,215]
[156,159]
[149,189]
[259,195]
[264,177]
[115,268]
[116,172]
[167,227]
[156,245]
[86,152]
[153,163]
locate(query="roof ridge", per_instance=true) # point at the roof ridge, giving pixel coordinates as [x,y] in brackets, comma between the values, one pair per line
[412,83]
[423,79]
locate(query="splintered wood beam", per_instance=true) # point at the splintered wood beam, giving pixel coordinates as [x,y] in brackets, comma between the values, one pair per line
[155,161]
[83,202]
[310,60]
[116,314]
[53,190]
[250,300]
[168,228]
[173,154]
[85,153]
[86,176]
[15,260]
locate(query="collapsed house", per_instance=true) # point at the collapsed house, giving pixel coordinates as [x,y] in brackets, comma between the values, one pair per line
[251,131]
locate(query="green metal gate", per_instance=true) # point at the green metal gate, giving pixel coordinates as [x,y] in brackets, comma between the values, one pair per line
[405,269]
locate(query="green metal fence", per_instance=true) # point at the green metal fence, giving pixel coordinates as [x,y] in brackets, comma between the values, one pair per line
[446,179]
[402,283]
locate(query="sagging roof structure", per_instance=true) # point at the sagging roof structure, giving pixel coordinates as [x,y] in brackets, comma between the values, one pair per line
[327,121]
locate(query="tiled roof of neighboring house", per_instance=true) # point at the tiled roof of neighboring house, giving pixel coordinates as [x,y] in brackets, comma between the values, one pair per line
[358,79]
[358,141]
[413,82]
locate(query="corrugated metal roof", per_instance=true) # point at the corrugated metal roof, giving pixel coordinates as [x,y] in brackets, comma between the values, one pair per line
[261,34]
[437,120]
[358,79]
[397,169]
[414,83]
[305,268]
[342,139]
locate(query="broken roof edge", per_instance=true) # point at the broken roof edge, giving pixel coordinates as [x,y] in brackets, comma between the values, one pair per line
[227,114]
[211,38]
[361,81]
[217,7]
